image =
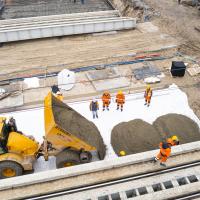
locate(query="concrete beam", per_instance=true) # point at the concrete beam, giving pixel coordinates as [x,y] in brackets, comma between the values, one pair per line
[53,26]
[92,173]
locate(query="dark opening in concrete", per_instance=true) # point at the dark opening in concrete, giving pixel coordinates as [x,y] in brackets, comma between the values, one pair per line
[131,193]
[182,181]
[142,190]
[168,184]
[193,179]
[103,198]
[115,196]
[157,187]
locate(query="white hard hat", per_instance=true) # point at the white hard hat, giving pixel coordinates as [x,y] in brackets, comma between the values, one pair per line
[58,92]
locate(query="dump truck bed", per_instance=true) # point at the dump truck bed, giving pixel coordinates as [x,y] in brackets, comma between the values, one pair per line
[67,119]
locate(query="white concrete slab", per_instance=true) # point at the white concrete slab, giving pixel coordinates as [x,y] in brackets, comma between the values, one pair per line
[12,101]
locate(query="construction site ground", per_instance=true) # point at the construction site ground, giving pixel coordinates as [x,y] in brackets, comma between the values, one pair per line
[176,27]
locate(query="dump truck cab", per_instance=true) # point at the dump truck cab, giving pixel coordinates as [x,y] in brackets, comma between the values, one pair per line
[17,151]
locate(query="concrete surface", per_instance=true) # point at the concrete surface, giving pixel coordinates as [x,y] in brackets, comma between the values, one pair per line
[134,188]
[107,79]
[93,173]
[12,101]
[29,8]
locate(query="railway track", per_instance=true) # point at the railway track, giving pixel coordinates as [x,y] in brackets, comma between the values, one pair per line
[188,180]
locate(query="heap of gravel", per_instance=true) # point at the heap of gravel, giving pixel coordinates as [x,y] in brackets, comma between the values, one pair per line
[134,136]
[71,121]
[138,136]
[174,124]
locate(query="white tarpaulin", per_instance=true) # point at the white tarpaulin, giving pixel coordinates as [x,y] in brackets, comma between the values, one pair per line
[32,82]
[66,79]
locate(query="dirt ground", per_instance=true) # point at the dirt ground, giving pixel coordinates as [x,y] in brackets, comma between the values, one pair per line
[138,136]
[74,123]
[178,21]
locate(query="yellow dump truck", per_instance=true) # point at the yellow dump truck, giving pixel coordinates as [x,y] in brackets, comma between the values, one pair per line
[18,152]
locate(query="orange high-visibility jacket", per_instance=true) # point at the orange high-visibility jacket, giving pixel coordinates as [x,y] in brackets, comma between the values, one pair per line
[120,98]
[165,151]
[106,98]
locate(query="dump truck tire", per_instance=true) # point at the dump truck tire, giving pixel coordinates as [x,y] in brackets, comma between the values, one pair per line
[85,157]
[10,169]
[67,158]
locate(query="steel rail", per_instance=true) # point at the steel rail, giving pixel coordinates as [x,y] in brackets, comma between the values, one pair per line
[113,182]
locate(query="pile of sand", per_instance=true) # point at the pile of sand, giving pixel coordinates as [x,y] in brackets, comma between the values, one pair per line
[74,123]
[138,136]
[173,124]
[134,136]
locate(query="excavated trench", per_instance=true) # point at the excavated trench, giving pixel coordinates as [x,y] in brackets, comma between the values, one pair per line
[138,136]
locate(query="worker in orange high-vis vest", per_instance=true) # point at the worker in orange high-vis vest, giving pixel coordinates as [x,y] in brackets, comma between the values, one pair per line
[120,100]
[147,95]
[165,150]
[106,100]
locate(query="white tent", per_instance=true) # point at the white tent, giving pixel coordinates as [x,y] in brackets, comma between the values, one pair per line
[66,79]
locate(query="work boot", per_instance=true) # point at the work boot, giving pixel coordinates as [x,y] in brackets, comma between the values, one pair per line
[155,159]
[117,108]
[96,116]
[163,164]
[107,108]
[103,109]
[145,103]
[121,109]
[148,105]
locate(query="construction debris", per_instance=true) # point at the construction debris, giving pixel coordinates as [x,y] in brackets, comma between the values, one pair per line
[194,70]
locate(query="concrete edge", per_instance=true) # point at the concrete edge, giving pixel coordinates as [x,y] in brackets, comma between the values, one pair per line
[97,166]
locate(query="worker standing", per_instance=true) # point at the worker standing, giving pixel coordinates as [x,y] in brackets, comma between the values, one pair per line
[94,106]
[147,95]
[165,150]
[120,100]
[106,100]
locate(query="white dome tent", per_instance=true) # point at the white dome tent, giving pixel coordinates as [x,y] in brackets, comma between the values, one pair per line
[66,79]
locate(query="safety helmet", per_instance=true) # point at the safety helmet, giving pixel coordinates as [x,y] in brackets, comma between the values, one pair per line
[94,99]
[174,138]
[119,92]
[122,153]
[58,93]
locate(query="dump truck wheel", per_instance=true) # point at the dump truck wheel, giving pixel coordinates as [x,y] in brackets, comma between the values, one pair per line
[10,169]
[67,158]
[85,157]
